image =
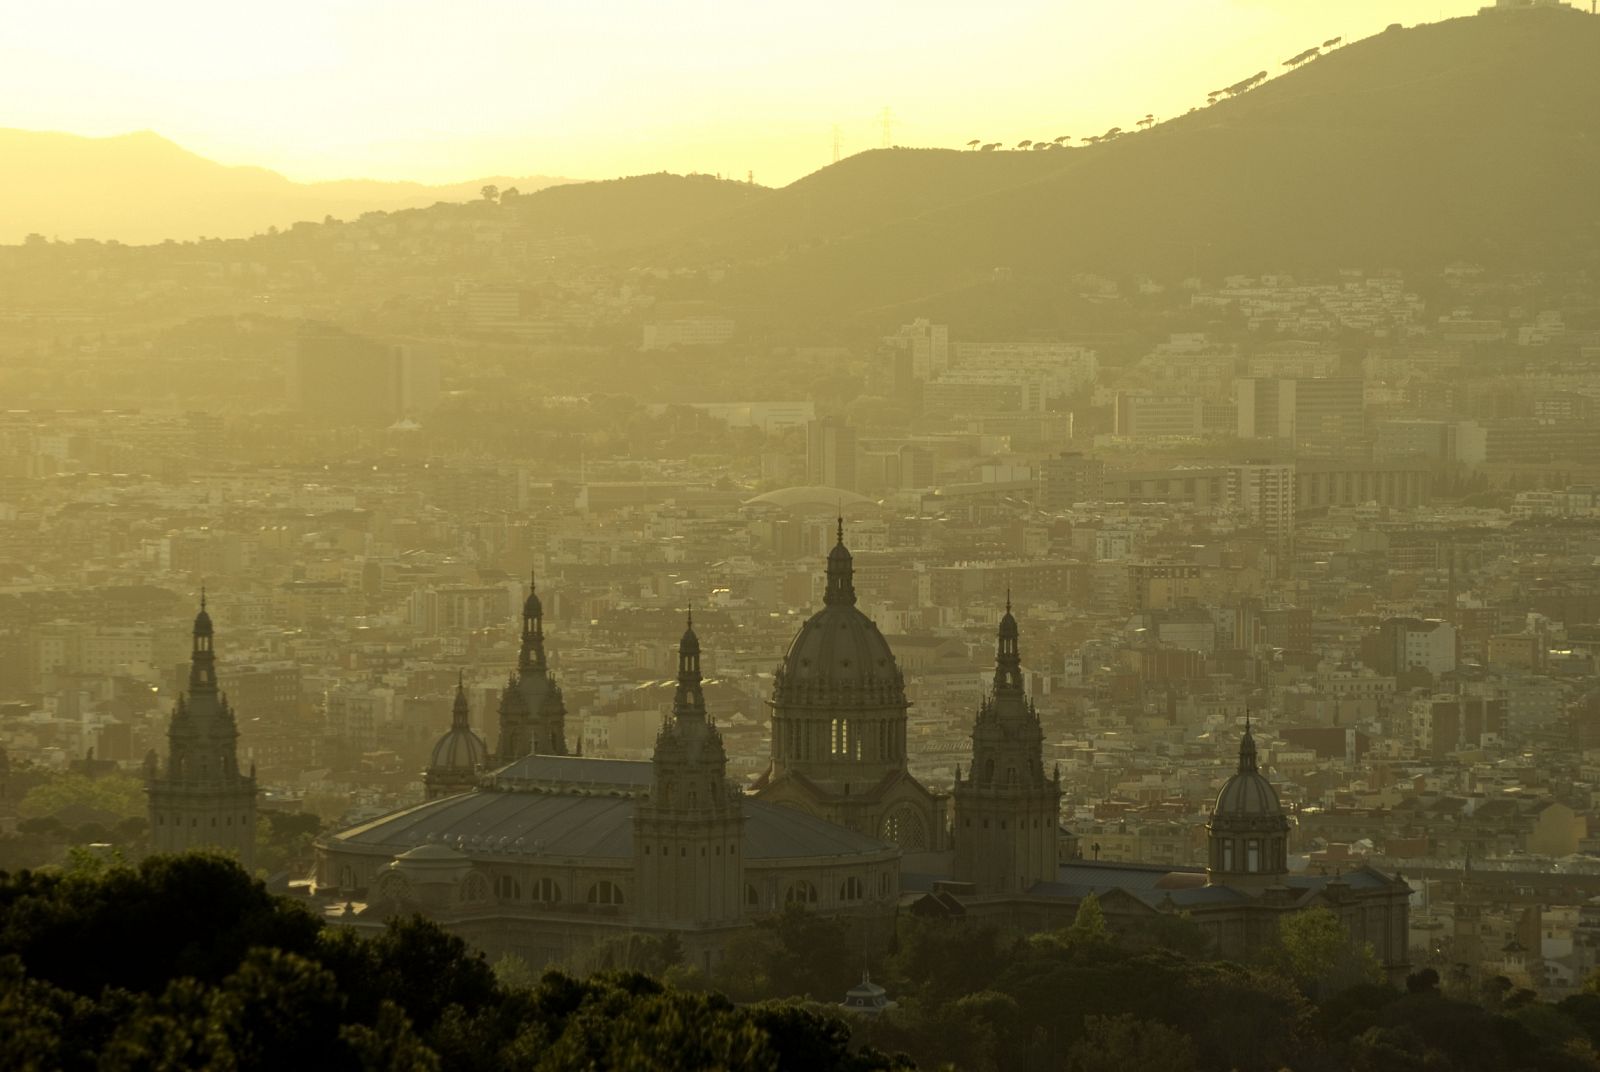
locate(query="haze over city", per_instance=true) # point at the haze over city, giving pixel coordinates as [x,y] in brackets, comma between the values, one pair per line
[415,91]
[979,538]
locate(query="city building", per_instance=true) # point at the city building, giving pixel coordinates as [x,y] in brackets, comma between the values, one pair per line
[831,454]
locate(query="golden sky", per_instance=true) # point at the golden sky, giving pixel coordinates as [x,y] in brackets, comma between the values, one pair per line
[445,90]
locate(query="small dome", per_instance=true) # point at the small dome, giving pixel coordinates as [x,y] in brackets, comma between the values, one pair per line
[531,607]
[459,749]
[1247,794]
[202,621]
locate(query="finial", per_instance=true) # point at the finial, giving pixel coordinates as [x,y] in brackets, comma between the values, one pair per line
[202,595]
[461,680]
[841,523]
[1008,599]
[690,616]
[533,580]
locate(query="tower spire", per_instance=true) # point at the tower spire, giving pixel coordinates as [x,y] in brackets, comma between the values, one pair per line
[458,713]
[841,572]
[532,654]
[203,656]
[1247,748]
[1008,653]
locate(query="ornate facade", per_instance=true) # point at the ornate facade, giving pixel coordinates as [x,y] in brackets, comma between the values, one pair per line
[839,725]
[199,798]
[1007,810]
[1237,902]
[550,855]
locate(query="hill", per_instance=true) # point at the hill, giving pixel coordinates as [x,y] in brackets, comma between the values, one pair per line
[1469,139]
[1472,139]
[141,188]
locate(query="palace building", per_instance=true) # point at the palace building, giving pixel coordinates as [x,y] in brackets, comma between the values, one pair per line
[532,851]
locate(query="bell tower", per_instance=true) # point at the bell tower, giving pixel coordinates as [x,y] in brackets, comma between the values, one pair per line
[533,714]
[1007,809]
[199,799]
[688,833]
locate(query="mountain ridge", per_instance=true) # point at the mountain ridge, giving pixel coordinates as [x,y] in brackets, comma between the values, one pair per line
[141,187]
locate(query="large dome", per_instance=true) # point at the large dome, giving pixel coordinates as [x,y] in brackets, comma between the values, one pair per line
[839,647]
[839,656]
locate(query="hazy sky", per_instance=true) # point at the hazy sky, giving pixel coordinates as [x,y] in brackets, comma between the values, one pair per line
[443,90]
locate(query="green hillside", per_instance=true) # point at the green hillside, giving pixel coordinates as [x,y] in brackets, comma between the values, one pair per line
[1474,138]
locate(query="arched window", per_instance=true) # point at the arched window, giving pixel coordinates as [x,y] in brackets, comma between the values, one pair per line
[475,888]
[751,897]
[546,891]
[800,892]
[851,890]
[904,826]
[1252,851]
[605,892]
[507,888]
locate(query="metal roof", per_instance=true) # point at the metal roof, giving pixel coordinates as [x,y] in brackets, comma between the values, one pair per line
[487,822]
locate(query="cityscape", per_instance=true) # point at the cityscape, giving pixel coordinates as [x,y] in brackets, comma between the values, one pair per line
[919,616]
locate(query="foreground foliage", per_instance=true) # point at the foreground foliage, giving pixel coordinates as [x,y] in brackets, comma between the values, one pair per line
[185,962]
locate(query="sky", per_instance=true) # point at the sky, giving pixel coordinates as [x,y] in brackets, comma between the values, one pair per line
[449,90]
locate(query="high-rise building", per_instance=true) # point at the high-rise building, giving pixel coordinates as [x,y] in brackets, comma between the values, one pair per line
[336,373]
[1265,492]
[199,799]
[1300,409]
[1007,809]
[926,347]
[1145,416]
[831,454]
[1070,478]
